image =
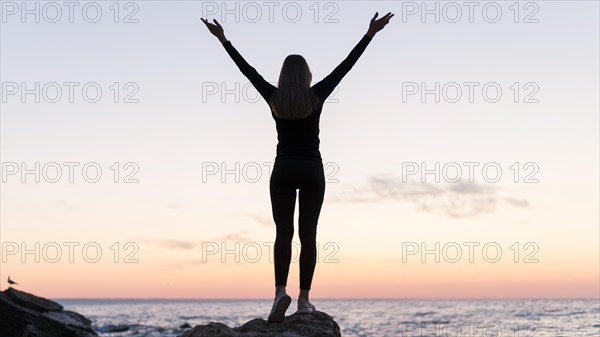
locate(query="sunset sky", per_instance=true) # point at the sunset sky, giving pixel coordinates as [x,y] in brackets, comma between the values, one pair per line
[190,145]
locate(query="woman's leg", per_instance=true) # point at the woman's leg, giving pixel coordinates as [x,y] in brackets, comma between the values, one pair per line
[311,195]
[283,202]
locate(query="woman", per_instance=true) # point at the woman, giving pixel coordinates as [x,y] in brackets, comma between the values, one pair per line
[296,108]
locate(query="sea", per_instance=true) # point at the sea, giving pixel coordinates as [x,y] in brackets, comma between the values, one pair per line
[356,317]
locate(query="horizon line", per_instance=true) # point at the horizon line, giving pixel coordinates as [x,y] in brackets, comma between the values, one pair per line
[328,298]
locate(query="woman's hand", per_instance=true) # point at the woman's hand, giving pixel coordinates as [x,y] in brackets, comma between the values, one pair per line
[215,29]
[377,25]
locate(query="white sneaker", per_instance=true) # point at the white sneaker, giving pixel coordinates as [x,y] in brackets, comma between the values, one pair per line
[305,307]
[280,305]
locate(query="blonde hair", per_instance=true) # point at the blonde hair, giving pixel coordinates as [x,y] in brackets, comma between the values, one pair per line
[293,98]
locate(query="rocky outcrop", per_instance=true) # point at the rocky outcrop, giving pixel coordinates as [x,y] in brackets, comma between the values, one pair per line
[27,315]
[317,324]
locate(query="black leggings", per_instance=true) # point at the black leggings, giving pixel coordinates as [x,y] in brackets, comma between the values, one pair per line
[287,176]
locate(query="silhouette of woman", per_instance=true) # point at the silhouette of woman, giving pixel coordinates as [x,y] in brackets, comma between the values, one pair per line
[296,108]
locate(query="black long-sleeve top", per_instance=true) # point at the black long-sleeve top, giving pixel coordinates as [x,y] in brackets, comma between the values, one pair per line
[298,138]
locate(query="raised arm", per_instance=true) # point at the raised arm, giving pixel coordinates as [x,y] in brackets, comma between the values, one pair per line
[324,88]
[262,86]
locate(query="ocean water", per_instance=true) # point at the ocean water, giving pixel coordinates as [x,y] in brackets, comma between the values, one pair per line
[357,318]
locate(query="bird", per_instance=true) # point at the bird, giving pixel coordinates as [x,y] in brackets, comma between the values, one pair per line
[11,282]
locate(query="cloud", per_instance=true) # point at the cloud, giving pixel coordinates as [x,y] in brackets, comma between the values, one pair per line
[176,244]
[64,204]
[233,237]
[261,219]
[456,200]
[192,244]
[518,202]
[176,264]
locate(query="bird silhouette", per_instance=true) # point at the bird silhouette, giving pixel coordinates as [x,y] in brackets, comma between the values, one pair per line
[11,282]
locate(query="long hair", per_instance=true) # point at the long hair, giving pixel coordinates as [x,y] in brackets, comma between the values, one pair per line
[293,98]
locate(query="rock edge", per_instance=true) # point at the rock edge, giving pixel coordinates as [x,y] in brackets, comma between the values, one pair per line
[317,324]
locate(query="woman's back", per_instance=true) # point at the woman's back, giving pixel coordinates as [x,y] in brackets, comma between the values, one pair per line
[298,138]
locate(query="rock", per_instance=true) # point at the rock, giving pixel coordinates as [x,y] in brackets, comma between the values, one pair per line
[32,301]
[317,324]
[27,315]
[113,328]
